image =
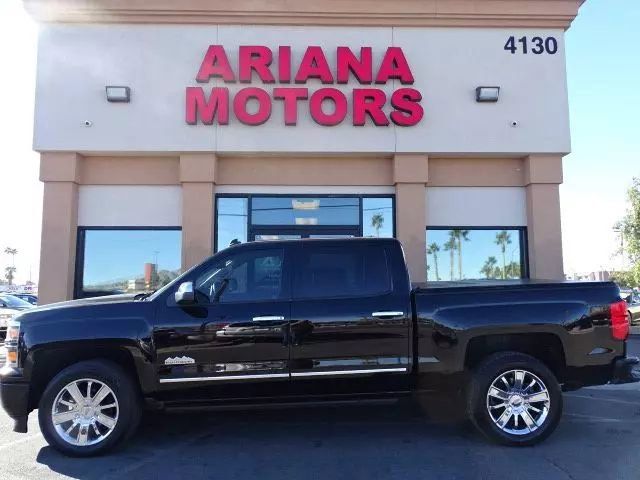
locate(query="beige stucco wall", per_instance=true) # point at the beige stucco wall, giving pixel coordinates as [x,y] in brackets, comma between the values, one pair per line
[200,174]
[197,175]
[60,174]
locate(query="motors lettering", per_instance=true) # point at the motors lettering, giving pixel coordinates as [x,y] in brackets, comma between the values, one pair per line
[328,106]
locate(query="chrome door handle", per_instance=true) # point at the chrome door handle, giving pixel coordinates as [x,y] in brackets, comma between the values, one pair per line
[387,314]
[268,318]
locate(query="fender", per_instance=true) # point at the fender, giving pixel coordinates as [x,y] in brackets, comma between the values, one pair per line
[54,337]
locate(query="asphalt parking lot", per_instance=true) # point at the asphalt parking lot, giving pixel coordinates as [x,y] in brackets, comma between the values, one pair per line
[598,438]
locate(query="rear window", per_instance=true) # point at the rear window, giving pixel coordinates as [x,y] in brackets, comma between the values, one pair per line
[329,272]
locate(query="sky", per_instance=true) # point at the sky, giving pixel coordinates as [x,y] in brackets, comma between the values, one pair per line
[603,66]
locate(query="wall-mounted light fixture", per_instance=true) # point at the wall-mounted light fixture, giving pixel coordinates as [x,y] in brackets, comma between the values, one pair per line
[487,94]
[118,94]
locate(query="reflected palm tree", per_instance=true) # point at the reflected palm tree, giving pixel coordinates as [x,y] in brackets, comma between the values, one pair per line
[377,221]
[433,249]
[451,246]
[503,238]
[489,267]
[460,236]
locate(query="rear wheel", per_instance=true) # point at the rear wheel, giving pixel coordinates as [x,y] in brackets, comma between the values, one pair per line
[88,408]
[514,399]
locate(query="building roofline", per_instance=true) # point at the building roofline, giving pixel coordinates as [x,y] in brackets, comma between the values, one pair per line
[407,13]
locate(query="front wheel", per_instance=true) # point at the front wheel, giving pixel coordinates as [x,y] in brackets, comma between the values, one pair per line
[88,408]
[514,399]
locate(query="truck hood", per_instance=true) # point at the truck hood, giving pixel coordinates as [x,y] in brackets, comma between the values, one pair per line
[83,308]
[122,298]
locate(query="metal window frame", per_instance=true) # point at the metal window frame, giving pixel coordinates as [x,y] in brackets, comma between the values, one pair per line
[522,234]
[251,229]
[78,277]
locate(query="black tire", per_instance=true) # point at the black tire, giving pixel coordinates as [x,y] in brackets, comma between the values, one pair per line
[123,388]
[491,369]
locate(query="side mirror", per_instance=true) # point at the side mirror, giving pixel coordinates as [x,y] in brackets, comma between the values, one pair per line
[185,294]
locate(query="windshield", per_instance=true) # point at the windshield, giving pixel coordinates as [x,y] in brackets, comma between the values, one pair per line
[14,302]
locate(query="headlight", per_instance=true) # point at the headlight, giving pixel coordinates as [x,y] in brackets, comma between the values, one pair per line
[11,343]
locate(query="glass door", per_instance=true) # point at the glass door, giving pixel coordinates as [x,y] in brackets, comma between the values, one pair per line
[288,233]
[274,236]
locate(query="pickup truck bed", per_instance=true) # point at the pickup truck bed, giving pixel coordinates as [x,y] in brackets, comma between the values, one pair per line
[460,322]
[312,320]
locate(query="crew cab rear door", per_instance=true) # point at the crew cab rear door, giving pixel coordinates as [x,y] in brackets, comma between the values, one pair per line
[349,327]
[236,332]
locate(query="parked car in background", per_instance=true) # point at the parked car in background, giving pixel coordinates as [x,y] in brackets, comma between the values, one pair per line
[10,306]
[633,305]
[27,297]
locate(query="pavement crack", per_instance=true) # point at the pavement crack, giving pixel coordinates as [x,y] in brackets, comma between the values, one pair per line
[561,468]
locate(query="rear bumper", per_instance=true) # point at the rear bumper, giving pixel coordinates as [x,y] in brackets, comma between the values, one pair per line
[14,397]
[623,370]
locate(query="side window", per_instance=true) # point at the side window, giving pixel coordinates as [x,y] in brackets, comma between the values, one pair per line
[328,272]
[243,277]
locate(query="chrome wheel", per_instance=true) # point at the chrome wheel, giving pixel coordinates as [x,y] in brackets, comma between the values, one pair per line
[518,402]
[85,412]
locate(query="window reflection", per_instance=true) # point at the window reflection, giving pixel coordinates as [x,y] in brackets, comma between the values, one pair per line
[304,211]
[129,261]
[377,217]
[231,222]
[474,254]
[243,277]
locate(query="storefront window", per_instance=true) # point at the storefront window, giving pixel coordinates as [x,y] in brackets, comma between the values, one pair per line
[377,217]
[126,260]
[475,253]
[231,222]
[304,211]
[285,217]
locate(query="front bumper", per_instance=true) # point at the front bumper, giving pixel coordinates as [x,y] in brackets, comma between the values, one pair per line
[623,370]
[14,397]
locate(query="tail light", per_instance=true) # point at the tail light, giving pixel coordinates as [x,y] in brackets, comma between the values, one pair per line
[619,320]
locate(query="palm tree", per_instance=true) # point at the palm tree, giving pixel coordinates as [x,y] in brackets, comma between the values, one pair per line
[460,235]
[433,249]
[503,239]
[451,246]
[377,221]
[9,274]
[489,267]
[13,252]
[513,270]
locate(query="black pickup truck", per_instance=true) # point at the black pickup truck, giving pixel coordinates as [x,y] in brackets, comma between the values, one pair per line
[310,320]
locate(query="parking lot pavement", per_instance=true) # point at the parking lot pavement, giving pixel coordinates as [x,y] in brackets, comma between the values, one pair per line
[599,437]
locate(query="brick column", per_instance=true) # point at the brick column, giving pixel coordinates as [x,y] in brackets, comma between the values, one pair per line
[543,176]
[60,174]
[410,175]
[197,176]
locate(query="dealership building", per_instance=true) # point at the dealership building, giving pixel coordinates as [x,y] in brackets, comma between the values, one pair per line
[169,130]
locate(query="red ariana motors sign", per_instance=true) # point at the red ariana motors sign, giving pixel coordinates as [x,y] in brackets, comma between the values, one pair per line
[328,106]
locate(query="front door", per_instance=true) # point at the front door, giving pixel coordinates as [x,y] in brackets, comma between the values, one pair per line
[296,233]
[236,335]
[350,329]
